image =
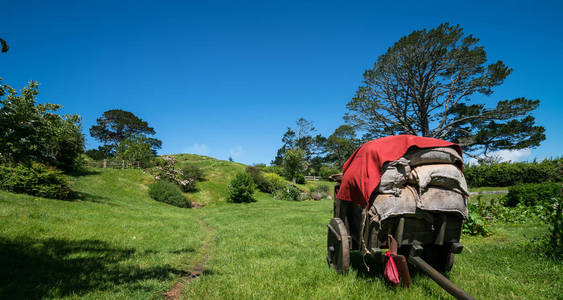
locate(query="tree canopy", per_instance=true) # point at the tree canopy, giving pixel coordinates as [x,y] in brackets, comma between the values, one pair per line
[425,84]
[116,125]
[33,132]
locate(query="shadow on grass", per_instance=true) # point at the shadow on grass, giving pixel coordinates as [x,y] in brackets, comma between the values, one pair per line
[358,263]
[83,172]
[88,197]
[35,268]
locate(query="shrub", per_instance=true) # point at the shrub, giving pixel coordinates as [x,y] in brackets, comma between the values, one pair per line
[241,189]
[327,171]
[96,154]
[299,178]
[37,180]
[190,174]
[193,172]
[287,193]
[168,192]
[554,219]
[166,170]
[275,181]
[475,223]
[531,194]
[508,174]
[259,180]
[319,192]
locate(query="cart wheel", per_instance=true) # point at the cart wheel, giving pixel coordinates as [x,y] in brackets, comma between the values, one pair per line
[338,246]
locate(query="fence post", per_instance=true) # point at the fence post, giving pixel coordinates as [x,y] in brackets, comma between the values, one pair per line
[122,164]
[105,163]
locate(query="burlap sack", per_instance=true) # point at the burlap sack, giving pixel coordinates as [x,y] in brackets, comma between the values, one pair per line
[394,177]
[439,155]
[388,205]
[439,199]
[441,175]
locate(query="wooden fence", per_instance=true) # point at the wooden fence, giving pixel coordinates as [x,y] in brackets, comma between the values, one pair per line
[117,164]
[312,178]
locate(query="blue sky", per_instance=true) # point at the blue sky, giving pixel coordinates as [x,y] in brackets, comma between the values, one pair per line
[226,78]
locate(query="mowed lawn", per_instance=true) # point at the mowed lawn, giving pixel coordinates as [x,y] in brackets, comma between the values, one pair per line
[118,243]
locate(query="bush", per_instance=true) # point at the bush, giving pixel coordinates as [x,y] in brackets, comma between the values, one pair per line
[241,189]
[554,219]
[168,192]
[319,192]
[37,179]
[193,172]
[531,194]
[190,174]
[288,193]
[327,171]
[475,223]
[259,180]
[299,178]
[275,181]
[508,174]
[96,154]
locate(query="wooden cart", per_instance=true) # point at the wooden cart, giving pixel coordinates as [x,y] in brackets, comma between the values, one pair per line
[427,240]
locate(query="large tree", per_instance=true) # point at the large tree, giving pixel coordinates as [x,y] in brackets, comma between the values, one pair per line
[341,144]
[116,125]
[34,132]
[300,138]
[425,84]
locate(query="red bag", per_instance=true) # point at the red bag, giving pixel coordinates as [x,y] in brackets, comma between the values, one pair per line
[391,273]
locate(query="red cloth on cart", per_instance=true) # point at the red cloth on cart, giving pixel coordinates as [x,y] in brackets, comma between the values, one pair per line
[362,171]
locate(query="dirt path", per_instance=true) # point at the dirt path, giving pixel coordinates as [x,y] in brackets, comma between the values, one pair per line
[197,270]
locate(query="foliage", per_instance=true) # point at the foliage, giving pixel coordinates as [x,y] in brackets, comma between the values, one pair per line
[136,148]
[422,86]
[31,131]
[301,137]
[95,154]
[288,193]
[475,223]
[165,169]
[190,174]
[116,125]
[35,179]
[275,181]
[508,173]
[299,178]
[263,184]
[341,144]
[554,219]
[294,163]
[327,171]
[319,192]
[241,189]
[168,192]
[518,214]
[530,194]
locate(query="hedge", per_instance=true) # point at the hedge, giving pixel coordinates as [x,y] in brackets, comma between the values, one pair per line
[508,174]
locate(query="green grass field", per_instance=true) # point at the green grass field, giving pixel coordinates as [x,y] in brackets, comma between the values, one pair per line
[117,243]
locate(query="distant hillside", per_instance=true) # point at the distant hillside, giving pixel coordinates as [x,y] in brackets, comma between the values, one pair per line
[218,174]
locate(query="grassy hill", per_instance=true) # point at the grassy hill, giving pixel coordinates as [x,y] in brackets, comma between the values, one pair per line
[117,243]
[218,174]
